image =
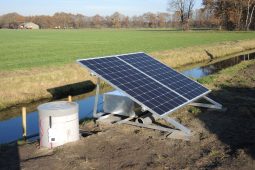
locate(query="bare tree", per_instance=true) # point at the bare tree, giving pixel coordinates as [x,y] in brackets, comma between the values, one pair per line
[97,21]
[162,19]
[126,22]
[11,20]
[117,19]
[250,12]
[137,21]
[184,8]
[150,19]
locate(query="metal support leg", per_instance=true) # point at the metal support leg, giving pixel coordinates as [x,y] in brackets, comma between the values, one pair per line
[213,105]
[150,126]
[126,120]
[96,98]
[178,125]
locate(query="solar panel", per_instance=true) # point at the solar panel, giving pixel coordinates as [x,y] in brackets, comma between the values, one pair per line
[165,75]
[142,78]
[136,84]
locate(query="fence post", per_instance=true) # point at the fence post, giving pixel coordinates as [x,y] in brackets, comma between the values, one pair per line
[24,122]
[70,98]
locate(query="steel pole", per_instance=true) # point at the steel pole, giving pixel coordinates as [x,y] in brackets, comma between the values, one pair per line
[96,98]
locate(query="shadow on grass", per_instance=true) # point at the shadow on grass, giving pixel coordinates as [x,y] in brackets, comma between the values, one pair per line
[160,30]
[72,89]
[236,126]
[9,156]
[177,29]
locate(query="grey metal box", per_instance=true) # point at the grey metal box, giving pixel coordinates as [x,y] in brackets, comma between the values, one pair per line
[115,102]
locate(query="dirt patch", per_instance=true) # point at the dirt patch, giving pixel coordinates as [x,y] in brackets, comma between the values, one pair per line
[128,147]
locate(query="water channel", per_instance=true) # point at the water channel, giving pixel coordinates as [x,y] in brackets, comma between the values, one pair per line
[11,129]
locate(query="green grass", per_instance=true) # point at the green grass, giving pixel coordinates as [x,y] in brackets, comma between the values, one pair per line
[226,77]
[32,48]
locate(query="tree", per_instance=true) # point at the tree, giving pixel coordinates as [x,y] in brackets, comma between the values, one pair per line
[11,20]
[184,9]
[232,14]
[250,12]
[162,19]
[150,19]
[137,21]
[117,19]
[79,21]
[97,21]
[126,23]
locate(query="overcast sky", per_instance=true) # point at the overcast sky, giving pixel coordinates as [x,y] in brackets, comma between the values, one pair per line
[86,7]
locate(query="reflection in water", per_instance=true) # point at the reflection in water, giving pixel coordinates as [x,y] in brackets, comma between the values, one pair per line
[11,130]
[199,72]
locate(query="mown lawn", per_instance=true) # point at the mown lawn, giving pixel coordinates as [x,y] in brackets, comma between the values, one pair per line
[32,48]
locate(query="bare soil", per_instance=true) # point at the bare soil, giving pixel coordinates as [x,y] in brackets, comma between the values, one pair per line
[226,140]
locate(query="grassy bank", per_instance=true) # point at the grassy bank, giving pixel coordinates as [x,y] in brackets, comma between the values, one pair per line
[28,85]
[190,55]
[39,64]
[239,76]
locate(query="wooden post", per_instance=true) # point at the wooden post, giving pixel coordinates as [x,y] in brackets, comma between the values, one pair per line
[24,122]
[70,98]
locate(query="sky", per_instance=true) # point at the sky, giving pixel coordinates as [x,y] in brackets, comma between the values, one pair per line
[85,7]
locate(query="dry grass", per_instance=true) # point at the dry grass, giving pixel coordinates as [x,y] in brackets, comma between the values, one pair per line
[190,55]
[24,86]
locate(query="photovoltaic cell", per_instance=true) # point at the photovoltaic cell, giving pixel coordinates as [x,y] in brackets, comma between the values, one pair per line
[147,81]
[165,75]
[136,84]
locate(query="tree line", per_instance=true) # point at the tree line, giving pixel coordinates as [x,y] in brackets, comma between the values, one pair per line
[223,14]
[232,14]
[214,14]
[116,20]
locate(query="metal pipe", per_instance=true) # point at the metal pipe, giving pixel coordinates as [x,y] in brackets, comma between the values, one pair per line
[150,126]
[212,101]
[96,98]
[177,125]
[210,106]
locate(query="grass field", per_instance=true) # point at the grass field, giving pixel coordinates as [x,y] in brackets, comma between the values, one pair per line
[32,48]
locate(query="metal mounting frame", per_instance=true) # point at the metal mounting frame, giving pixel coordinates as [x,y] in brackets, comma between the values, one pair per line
[171,121]
[179,127]
[95,113]
[213,105]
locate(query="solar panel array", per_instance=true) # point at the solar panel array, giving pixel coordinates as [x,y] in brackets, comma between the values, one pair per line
[147,81]
[165,75]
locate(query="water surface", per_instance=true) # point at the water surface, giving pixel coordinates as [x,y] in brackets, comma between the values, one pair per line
[211,68]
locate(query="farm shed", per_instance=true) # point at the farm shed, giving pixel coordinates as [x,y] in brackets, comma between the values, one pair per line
[28,25]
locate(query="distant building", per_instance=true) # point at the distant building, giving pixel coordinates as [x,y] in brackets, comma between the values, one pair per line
[28,25]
